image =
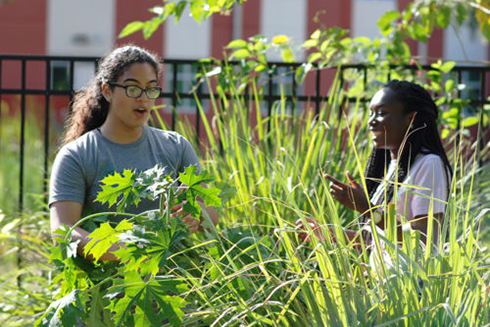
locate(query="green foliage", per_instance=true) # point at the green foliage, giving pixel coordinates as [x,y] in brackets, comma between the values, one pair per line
[139,289]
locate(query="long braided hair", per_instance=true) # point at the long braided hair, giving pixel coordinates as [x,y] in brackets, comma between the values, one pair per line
[89,108]
[424,138]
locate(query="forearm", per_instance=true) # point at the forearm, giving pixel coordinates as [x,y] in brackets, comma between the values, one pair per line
[81,236]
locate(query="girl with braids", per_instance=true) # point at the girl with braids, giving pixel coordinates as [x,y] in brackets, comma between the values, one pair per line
[106,132]
[407,150]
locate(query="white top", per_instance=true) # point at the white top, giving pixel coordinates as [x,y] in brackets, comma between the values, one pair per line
[426,179]
[426,182]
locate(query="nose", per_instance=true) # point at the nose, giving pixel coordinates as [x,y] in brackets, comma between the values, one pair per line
[143,96]
[372,121]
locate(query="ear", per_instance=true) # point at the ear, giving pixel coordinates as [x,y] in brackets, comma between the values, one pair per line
[107,92]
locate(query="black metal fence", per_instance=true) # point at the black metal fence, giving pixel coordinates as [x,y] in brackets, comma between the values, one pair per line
[49,77]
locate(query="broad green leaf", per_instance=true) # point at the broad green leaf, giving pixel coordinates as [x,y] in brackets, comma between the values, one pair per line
[443,16]
[151,26]
[241,54]
[63,312]
[315,35]
[210,196]
[288,55]
[447,66]
[131,28]
[314,57]
[237,44]
[310,44]
[115,185]
[461,13]
[385,22]
[302,71]
[104,237]
[470,121]
[449,86]
[179,9]
[142,294]
[419,33]
[260,68]
[445,133]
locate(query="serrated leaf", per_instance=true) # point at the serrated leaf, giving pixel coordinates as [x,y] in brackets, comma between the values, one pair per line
[142,294]
[131,28]
[210,196]
[104,237]
[115,185]
[63,312]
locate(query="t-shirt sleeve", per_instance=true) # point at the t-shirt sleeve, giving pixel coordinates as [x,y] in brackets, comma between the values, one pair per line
[189,156]
[432,177]
[67,182]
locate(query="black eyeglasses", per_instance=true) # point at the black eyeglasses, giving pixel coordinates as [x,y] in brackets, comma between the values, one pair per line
[133,91]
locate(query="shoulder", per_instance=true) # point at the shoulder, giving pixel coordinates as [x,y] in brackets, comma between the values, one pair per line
[81,147]
[428,160]
[166,136]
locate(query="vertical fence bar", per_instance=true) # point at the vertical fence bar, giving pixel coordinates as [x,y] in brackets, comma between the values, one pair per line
[198,113]
[269,101]
[1,64]
[21,154]
[22,134]
[174,95]
[46,128]
[294,96]
[317,92]
[480,136]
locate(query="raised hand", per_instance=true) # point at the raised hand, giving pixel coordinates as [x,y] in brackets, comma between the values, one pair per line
[351,195]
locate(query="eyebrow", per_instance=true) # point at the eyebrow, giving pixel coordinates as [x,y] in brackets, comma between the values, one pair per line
[135,80]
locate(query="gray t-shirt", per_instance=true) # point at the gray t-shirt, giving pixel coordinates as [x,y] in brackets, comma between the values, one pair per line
[82,164]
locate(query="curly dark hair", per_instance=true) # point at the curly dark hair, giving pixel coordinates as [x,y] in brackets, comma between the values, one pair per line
[424,138]
[89,108]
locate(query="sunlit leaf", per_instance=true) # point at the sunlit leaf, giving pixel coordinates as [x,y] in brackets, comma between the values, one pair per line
[241,54]
[443,16]
[237,44]
[470,121]
[113,186]
[385,22]
[131,28]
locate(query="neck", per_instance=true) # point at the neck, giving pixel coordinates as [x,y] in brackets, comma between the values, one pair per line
[117,135]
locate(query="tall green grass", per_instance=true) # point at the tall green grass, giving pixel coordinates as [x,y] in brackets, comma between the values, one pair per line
[258,272]
[272,278]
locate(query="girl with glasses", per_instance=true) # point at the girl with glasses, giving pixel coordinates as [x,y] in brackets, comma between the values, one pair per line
[107,132]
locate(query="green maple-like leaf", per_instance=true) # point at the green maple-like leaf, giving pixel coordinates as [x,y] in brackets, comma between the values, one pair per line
[63,312]
[210,196]
[103,238]
[115,185]
[142,294]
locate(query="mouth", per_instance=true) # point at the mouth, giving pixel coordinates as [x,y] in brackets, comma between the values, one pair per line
[140,111]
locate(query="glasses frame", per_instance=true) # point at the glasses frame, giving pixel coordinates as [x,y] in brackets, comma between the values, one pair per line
[125,87]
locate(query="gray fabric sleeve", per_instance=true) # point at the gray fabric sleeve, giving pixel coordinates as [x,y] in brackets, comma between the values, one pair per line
[189,156]
[67,178]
